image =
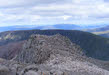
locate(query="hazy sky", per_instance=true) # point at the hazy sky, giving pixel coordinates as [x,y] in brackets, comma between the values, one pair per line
[44,12]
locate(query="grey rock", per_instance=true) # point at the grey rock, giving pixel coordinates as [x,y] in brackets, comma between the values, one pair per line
[5,70]
[39,48]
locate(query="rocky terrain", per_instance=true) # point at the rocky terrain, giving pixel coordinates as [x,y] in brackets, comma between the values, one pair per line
[52,55]
[10,50]
[92,45]
[40,47]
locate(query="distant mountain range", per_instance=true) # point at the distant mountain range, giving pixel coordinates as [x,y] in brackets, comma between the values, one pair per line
[44,27]
[102,31]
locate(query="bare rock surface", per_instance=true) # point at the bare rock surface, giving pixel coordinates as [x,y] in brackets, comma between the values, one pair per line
[39,48]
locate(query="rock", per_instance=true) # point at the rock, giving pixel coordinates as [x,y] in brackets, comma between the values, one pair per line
[31,73]
[39,48]
[4,70]
[29,70]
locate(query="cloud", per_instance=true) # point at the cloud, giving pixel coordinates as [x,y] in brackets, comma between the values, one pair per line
[19,3]
[43,12]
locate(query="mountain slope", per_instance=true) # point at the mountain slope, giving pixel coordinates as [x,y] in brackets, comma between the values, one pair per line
[92,45]
[10,50]
[52,55]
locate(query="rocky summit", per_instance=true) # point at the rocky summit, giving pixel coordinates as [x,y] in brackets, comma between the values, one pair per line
[52,55]
[39,48]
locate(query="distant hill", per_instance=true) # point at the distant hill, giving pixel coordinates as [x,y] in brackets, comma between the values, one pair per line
[29,27]
[61,26]
[92,45]
[44,27]
[103,31]
[105,28]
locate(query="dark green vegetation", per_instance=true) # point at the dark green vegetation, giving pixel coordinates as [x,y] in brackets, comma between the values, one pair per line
[92,45]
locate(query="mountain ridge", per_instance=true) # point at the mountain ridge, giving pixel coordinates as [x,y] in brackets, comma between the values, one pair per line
[41,47]
[93,46]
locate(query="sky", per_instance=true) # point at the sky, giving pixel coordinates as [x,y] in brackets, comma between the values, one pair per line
[50,12]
